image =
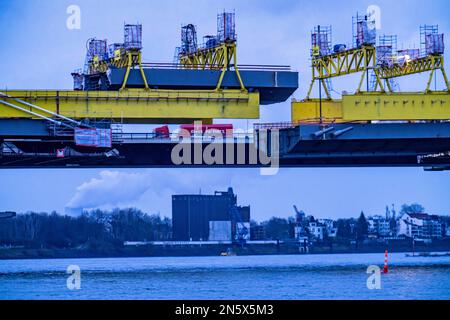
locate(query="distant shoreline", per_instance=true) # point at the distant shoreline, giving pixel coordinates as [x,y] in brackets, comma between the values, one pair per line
[150,251]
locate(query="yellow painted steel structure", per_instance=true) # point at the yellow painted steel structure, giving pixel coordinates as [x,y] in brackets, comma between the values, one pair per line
[309,111]
[122,59]
[342,63]
[131,105]
[424,64]
[375,106]
[220,57]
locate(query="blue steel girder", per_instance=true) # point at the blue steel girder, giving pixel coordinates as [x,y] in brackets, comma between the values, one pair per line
[350,144]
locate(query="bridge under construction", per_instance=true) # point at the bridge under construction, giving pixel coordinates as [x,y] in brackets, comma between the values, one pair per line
[377,125]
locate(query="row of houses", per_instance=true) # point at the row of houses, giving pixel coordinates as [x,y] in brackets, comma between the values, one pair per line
[410,225]
[407,225]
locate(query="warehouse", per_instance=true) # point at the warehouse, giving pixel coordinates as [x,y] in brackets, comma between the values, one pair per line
[216,217]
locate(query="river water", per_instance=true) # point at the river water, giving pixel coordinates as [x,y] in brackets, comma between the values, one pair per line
[337,276]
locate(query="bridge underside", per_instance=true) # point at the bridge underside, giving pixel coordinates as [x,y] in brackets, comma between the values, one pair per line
[340,145]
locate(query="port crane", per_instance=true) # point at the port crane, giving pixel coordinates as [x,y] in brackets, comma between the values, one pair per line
[242,233]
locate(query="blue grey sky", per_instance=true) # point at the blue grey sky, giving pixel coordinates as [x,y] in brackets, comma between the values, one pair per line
[39,52]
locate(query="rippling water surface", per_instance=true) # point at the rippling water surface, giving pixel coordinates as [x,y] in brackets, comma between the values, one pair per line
[339,276]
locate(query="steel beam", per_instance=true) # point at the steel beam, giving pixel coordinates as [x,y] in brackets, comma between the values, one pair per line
[375,106]
[133,105]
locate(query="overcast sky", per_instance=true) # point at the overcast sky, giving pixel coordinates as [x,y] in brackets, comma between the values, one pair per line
[39,52]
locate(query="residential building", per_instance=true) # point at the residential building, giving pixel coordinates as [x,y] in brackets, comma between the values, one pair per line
[317,230]
[330,227]
[379,226]
[420,226]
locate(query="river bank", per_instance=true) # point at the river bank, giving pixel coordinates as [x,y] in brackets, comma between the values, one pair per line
[282,248]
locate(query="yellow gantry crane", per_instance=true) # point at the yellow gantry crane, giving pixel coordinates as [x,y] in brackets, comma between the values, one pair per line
[217,53]
[138,105]
[127,55]
[357,60]
[430,63]
[381,103]
[220,57]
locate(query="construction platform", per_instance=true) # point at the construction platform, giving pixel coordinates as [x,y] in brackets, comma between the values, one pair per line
[273,86]
[28,144]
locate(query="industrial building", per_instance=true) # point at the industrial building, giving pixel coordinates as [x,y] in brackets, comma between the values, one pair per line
[217,217]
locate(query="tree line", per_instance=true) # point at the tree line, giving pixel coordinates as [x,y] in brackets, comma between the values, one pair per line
[99,228]
[90,229]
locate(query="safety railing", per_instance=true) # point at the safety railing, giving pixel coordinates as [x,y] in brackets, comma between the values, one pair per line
[178,137]
[246,67]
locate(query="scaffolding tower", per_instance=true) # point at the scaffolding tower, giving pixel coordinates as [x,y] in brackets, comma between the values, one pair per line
[431,41]
[226,27]
[132,36]
[321,39]
[386,52]
[188,39]
[364,31]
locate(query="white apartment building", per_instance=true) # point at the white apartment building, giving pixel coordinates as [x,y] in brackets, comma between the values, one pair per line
[420,225]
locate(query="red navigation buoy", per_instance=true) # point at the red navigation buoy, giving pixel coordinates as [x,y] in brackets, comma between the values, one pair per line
[385,269]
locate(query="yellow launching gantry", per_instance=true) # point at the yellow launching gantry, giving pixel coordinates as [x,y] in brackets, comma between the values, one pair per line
[127,59]
[220,57]
[342,63]
[127,55]
[382,103]
[217,53]
[326,65]
[430,63]
[91,99]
